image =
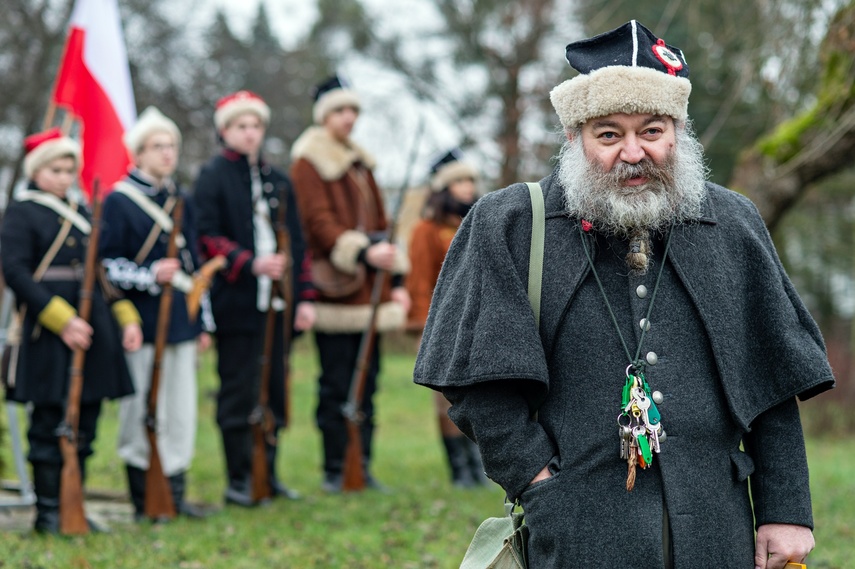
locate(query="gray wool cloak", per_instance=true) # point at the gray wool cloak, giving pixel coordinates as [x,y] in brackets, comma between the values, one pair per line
[735,346]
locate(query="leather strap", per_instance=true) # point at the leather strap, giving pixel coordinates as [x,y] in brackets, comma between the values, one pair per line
[538,239]
[50,201]
[160,217]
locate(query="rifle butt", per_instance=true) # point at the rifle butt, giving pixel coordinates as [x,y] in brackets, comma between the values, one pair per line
[72,519]
[353,477]
[260,475]
[158,495]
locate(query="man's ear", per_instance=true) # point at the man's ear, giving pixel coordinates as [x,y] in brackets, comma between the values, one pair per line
[570,134]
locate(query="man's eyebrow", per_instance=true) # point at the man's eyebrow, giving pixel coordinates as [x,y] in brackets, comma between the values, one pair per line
[603,123]
[654,118]
[606,123]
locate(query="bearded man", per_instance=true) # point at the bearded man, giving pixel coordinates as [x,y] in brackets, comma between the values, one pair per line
[664,308]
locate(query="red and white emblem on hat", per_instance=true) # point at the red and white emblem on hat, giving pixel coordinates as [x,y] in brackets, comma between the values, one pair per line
[43,147]
[237,104]
[668,58]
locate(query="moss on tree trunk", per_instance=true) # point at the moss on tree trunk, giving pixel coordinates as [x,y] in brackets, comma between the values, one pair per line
[779,168]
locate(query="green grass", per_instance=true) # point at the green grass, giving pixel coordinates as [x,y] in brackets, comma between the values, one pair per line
[424,523]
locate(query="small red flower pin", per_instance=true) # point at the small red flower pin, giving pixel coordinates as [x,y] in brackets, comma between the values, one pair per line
[586,225]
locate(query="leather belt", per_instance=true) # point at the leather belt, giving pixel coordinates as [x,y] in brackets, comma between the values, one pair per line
[63,273]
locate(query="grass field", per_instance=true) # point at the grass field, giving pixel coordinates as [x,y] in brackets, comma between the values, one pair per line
[424,523]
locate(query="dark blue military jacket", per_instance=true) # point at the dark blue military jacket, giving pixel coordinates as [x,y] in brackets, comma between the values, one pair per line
[125,228]
[27,233]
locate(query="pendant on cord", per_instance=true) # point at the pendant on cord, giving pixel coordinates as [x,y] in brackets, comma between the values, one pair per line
[639,426]
[638,255]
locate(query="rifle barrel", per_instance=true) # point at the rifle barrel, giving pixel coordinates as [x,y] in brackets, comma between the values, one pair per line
[353,475]
[158,495]
[72,519]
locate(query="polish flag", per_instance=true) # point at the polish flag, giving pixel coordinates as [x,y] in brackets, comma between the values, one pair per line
[94,84]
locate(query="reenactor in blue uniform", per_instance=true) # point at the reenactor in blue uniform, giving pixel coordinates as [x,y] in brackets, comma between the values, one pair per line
[43,240]
[133,246]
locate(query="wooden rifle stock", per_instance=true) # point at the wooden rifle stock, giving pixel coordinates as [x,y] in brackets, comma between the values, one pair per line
[261,419]
[202,280]
[353,475]
[72,520]
[158,494]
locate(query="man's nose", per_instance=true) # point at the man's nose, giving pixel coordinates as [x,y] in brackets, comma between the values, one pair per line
[631,152]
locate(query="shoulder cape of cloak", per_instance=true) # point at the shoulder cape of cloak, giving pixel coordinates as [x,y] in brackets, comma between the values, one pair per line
[480,327]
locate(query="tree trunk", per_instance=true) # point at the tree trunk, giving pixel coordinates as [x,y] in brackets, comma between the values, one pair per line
[781,166]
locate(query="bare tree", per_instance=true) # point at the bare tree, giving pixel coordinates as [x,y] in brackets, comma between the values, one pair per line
[32,33]
[484,64]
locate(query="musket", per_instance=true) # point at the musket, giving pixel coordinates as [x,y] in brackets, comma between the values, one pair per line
[202,280]
[72,520]
[261,419]
[353,475]
[158,494]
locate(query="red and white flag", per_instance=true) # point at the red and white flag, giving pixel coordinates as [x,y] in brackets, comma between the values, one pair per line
[94,84]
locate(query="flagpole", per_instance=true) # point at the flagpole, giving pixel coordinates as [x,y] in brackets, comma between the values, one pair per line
[50,113]
[67,123]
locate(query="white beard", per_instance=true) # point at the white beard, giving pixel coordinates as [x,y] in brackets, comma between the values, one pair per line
[673,193]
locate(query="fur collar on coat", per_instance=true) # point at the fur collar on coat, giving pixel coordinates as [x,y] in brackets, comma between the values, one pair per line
[331,158]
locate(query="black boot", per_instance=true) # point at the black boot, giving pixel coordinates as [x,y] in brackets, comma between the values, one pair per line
[366,431]
[335,444]
[276,485]
[46,477]
[332,482]
[237,445]
[457,452]
[136,489]
[178,484]
[476,466]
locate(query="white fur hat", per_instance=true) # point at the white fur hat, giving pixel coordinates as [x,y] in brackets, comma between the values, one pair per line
[626,70]
[149,122]
[332,94]
[448,168]
[237,104]
[49,145]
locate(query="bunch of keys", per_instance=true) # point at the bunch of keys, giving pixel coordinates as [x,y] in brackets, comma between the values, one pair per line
[639,426]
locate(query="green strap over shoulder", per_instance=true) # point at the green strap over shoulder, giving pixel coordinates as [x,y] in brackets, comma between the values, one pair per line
[538,238]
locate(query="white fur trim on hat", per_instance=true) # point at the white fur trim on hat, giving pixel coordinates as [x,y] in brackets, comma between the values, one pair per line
[620,89]
[451,172]
[149,122]
[233,109]
[332,100]
[51,150]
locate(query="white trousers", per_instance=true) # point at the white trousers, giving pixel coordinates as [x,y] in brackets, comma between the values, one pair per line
[176,408]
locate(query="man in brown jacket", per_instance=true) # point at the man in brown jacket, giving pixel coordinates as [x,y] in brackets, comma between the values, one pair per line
[344,222]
